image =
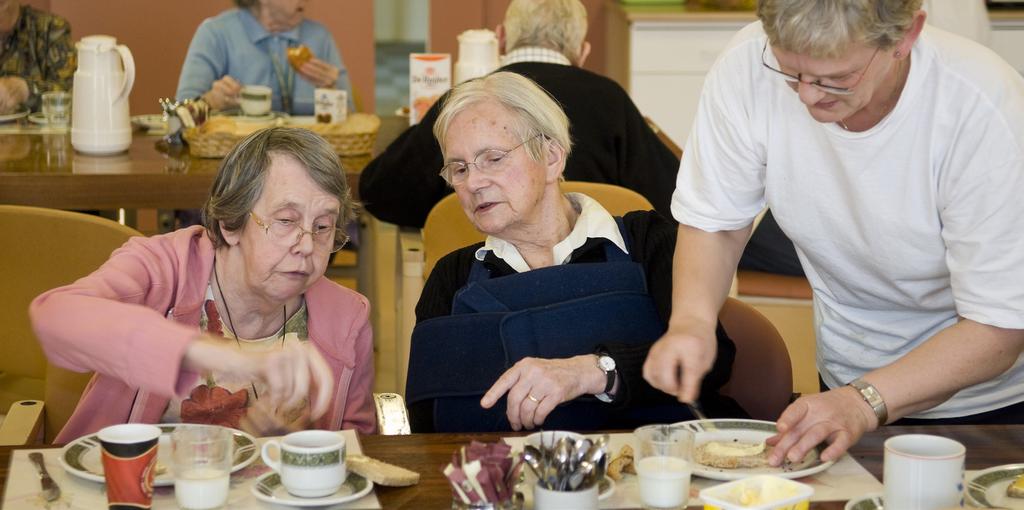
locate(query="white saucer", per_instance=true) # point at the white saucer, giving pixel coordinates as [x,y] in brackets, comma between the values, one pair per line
[866,502]
[38,118]
[268,488]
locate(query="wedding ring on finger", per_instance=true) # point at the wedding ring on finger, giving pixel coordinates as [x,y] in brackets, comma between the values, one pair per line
[533,398]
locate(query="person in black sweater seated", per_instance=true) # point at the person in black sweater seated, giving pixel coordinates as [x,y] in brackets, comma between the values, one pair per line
[549,320]
[544,41]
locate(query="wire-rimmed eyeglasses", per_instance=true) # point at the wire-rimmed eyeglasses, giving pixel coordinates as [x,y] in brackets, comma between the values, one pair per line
[488,162]
[795,80]
[288,233]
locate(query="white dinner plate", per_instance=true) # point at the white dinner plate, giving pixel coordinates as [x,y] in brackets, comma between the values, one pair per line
[747,431]
[13,116]
[268,488]
[865,502]
[987,488]
[38,118]
[81,457]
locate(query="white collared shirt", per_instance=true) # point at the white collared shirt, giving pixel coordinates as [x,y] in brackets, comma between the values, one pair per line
[594,221]
[534,54]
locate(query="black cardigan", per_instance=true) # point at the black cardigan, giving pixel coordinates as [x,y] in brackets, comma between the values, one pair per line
[652,244]
[611,144]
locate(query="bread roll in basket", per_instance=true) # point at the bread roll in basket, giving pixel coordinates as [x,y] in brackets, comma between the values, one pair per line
[216,137]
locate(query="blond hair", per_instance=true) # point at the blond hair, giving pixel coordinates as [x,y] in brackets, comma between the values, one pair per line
[533,110]
[827,28]
[559,25]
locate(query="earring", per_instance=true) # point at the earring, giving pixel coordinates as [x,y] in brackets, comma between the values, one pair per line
[898,54]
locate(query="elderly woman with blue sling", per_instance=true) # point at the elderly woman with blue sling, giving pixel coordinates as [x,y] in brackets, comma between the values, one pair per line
[548,321]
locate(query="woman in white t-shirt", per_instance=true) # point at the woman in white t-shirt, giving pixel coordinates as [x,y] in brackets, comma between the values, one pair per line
[893,156]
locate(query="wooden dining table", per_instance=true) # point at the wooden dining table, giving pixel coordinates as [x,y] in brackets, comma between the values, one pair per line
[42,169]
[987,446]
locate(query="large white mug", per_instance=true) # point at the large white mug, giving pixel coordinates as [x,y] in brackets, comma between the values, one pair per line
[311,463]
[923,472]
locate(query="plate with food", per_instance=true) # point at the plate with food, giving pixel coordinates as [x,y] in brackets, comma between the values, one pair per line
[997,487]
[151,122]
[81,457]
[730,449]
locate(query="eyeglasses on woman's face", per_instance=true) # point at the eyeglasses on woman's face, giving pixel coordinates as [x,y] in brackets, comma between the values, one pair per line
[490,162]
[287,233]
[835,89]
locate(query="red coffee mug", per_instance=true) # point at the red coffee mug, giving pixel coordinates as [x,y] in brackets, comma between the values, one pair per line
[129,464]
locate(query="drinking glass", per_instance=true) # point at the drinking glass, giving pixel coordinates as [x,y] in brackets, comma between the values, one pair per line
[202,457]
[56,107]
[664,456]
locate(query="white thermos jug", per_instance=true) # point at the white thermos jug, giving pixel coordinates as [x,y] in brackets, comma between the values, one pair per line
[105,75]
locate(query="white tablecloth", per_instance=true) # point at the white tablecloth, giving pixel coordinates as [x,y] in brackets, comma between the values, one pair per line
[845,480]
[22,490]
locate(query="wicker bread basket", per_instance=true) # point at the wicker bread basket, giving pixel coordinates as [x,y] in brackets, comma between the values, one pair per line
[355,136]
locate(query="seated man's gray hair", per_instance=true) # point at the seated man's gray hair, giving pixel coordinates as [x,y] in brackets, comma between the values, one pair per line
[559,25]
[827,29]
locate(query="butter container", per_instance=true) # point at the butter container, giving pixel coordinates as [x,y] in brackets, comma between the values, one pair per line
[762,492]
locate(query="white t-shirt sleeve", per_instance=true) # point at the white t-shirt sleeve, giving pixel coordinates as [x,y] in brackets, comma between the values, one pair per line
[720,185]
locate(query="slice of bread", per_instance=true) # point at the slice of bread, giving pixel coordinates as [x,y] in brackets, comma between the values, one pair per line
[1016,489]
[380,472]
[710,459]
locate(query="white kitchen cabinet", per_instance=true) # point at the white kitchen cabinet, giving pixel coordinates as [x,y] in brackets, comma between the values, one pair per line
[660,55]
[1008,39]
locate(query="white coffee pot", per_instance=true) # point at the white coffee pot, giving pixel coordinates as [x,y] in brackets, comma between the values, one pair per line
[99,120]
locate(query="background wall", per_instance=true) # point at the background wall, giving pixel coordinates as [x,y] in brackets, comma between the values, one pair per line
[158,33]
[400,20]
[449,18]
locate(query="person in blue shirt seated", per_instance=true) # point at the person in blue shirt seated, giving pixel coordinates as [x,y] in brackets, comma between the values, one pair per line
[249,45]
[548,321]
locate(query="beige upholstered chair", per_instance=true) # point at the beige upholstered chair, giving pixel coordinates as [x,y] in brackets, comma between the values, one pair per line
[43,249]
[762,375]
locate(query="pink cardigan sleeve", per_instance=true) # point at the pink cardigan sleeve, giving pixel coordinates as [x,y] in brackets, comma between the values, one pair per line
[360,412]
[113,321]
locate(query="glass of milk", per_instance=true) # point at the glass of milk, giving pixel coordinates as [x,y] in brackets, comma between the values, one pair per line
[202,458]
[664,455]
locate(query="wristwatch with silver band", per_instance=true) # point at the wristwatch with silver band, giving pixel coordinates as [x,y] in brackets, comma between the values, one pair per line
[874,399]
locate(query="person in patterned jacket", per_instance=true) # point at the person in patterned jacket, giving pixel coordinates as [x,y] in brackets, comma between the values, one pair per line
[36,55]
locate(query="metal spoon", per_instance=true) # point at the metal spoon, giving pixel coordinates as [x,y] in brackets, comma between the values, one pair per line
[532,457]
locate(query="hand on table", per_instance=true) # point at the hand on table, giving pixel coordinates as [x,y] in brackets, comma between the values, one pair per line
[223,94]
[838,416]
[535,386]
[13,92]
[319,73]
[678,361]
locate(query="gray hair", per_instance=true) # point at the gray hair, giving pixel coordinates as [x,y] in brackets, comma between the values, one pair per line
[560,25]
[534,111]
[239,181]
[826,28]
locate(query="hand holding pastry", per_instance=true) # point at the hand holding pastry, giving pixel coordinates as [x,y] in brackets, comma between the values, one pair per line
[319,73]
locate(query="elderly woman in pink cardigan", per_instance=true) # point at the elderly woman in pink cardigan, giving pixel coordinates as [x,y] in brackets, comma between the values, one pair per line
[233,323]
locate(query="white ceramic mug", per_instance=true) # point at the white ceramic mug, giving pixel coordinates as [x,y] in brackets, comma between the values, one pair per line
[311,463]
[923,472]
[545,499]
[255,100]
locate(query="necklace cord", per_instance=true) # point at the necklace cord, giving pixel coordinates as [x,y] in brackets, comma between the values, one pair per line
[231,323]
